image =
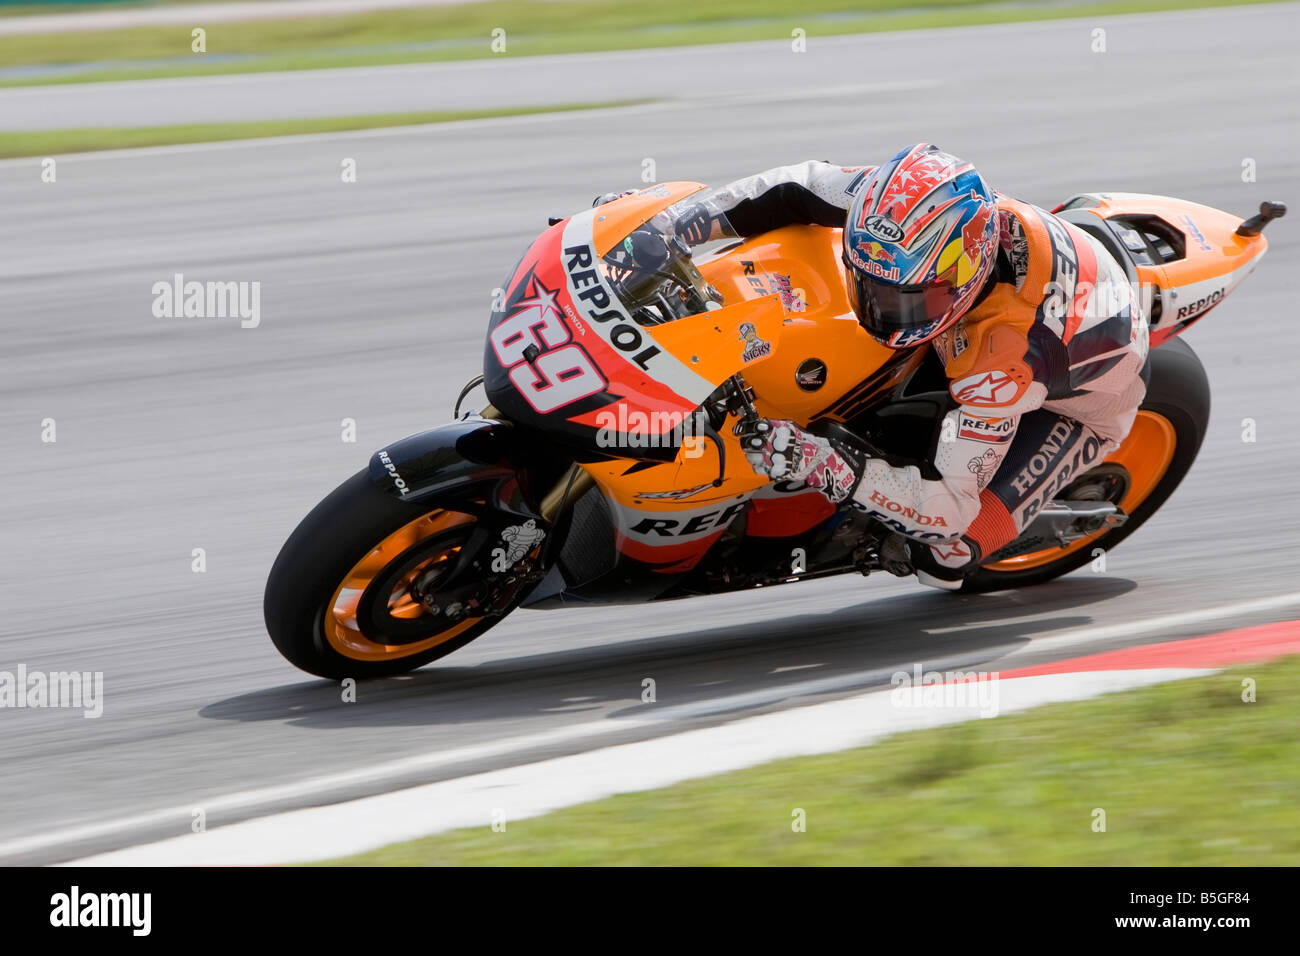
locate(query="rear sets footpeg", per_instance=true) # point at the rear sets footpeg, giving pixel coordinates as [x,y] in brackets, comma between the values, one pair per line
[1061,523]
[1068,521]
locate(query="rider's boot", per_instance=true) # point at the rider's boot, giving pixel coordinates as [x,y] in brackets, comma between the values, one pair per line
[942,566]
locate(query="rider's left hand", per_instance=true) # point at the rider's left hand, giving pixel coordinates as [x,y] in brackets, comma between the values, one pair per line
[610,197]
[695,225]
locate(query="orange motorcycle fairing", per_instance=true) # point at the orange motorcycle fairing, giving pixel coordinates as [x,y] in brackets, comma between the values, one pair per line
[1188,256]
[449,530]
[802,265]
[788,328]
[788,287]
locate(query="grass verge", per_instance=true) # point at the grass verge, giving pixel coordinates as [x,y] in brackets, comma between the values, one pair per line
[465,32]
[1186,772]
[63,141]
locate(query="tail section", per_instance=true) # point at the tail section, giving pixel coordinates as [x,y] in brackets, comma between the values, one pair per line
[1188,257]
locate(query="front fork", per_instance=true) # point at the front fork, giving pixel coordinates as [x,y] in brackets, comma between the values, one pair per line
[484,579]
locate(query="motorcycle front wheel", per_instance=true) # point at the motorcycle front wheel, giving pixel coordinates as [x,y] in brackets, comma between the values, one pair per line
[350,593]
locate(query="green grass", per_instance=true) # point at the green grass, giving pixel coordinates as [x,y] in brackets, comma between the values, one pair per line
[27,8]
[464,32]
[62,141]
[1187,773]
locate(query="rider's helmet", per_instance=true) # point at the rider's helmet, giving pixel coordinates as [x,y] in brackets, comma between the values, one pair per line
[919,244]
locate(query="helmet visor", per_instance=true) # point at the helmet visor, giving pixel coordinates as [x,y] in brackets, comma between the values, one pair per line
[887,311]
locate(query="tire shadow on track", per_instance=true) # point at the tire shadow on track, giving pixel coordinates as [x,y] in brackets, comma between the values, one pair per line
[691,667]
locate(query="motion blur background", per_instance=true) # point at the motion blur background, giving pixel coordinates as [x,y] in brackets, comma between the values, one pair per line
[468,124]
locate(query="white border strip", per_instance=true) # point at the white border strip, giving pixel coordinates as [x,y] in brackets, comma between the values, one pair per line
[593,731]
[518,793]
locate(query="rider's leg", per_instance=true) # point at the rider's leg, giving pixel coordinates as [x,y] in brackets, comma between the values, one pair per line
[1049,451]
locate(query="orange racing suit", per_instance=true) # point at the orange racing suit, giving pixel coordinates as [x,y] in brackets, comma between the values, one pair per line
[1046,369]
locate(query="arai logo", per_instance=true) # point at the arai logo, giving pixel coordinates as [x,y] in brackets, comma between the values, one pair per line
[882,228]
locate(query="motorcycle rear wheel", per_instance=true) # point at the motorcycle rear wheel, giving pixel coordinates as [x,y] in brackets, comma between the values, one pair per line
[1158,453]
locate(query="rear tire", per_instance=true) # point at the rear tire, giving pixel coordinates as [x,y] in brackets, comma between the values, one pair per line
[1179,392]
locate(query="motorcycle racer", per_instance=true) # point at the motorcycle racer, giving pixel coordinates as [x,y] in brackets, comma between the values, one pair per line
[616,356]
[1041,336]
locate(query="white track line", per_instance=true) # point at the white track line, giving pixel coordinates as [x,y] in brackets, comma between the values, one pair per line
[395,770]
[1091,635]
[534,789]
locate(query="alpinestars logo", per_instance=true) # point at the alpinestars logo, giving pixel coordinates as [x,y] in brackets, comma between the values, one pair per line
[986,388]
[953,554]
[836,480]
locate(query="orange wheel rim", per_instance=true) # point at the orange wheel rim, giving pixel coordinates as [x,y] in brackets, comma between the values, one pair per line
[341,628]
[1145,454]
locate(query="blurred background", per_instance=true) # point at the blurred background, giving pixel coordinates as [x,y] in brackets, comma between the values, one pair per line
[466,125]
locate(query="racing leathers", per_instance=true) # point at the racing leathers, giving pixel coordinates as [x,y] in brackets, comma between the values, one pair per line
[1046,370]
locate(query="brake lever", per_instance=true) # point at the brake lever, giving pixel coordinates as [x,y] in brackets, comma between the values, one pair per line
[743,396]
[738,394]
[712,435]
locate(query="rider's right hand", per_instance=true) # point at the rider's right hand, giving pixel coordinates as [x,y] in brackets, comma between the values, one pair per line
[782,451]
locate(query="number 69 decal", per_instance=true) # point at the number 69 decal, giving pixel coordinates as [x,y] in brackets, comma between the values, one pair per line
[561,371]
[557,378]
[531,325]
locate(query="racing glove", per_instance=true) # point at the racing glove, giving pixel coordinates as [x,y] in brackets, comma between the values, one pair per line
[782,451]
[695,225]
[610,197]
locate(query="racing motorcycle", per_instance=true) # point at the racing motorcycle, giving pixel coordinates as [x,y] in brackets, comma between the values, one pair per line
[621,365]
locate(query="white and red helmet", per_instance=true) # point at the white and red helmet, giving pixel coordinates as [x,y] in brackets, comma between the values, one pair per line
[920,242]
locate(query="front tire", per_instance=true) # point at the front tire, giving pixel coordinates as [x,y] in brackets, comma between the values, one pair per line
[334,603]
[1176,410]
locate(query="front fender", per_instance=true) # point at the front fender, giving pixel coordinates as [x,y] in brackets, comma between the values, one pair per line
[470,457]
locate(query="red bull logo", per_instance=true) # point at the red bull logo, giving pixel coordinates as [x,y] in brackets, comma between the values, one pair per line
[878,252]
[972,233]
[872,258]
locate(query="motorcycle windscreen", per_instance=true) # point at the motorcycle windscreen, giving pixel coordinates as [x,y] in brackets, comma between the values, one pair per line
[612,222]
[566,355]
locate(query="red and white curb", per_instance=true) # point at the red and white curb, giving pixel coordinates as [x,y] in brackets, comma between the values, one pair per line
[530,790]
